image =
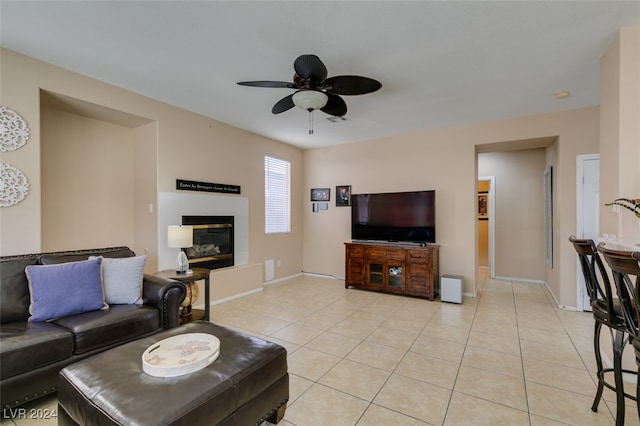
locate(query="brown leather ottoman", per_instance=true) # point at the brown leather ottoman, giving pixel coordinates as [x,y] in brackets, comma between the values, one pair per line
[246,385]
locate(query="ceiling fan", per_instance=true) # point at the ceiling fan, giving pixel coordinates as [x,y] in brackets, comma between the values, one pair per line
[315,91]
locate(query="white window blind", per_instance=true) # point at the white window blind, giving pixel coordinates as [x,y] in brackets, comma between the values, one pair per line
[277,195]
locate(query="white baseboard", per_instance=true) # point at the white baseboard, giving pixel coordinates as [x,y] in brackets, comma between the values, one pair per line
[278,280]
[521,280]
[555,300]
[230,298]
[315,274]
[247,293]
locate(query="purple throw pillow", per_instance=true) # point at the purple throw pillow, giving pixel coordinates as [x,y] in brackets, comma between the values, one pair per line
[65,289]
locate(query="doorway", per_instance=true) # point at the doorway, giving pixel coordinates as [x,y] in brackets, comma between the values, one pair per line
[588,213]
[486,213]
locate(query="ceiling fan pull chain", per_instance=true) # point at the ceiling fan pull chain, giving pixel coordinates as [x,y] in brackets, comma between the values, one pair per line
[310,121]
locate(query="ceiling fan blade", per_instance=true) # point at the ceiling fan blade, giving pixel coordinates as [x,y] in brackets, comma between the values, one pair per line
[262,83]
[283,105]
[351,85]
[310,67]
[335,105]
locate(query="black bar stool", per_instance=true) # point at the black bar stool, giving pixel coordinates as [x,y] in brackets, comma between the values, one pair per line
[606,311]
[625,266]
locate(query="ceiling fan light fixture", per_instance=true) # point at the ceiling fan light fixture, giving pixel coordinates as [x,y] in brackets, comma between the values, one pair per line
[315,90]
[310,99]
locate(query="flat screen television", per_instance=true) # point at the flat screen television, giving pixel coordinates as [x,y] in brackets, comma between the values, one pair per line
[394,216]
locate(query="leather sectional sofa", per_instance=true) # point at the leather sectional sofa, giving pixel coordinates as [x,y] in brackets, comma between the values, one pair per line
[33,353]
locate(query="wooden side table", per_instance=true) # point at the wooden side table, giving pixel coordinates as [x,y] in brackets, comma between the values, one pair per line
[189,278]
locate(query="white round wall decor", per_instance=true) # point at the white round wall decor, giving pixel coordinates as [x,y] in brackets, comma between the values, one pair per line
[14,185]
[14,131]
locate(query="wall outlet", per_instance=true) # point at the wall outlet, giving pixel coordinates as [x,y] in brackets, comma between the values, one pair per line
[279,263]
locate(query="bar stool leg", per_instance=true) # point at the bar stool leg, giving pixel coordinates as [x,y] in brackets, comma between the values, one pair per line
[618,347]
[600,373]
[638,393]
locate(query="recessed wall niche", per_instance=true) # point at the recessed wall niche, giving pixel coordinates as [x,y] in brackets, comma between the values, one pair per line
[98,175]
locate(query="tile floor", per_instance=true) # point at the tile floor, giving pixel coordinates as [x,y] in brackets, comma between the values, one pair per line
[506,357]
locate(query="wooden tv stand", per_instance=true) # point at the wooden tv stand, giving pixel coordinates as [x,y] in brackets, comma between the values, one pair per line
[394,268]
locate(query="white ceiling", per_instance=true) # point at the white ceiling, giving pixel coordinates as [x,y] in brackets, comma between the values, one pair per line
[441,63]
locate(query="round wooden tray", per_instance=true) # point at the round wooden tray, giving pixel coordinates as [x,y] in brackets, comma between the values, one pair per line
[178,355]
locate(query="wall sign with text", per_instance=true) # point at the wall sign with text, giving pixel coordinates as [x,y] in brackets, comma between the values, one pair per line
[190,185]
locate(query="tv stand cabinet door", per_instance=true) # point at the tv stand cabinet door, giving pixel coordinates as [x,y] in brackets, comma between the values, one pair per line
[354,268]
[422,272]
[385,268]
[395,276]
[420,267]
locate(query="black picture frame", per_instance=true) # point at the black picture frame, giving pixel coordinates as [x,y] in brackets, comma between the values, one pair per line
[320,194]
[343,196]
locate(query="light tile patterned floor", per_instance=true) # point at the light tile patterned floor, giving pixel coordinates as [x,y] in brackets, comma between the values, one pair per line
[507,357]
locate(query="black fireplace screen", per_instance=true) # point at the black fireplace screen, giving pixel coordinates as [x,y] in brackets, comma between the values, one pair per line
[212,242]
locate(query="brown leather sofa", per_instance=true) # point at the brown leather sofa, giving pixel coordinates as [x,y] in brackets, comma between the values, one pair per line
[33,353]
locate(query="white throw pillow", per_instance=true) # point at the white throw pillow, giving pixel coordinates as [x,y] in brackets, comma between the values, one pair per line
[122,280]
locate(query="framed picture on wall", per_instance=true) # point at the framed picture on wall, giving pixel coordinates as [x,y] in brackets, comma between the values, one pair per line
[483,206]
[320,194]
[343,195]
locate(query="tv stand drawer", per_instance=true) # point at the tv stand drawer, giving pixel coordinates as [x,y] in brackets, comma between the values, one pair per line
[419,255]
[356,251]
[386,253]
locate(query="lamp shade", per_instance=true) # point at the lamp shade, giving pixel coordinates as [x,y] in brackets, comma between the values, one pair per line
[310,99]
[180,236]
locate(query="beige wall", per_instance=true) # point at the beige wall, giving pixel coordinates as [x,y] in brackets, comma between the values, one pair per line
[619,142]
[145,192]
[519,236]
[620,131]
[445,160]
[87,182]
[20,224]
[168,144]
[93,170]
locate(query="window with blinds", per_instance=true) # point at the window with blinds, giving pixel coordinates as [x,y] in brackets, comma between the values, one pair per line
[277,195]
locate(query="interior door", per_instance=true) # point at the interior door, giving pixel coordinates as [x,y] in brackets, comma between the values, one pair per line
[588,212]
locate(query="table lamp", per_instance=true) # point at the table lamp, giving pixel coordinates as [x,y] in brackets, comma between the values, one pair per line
[180,236]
